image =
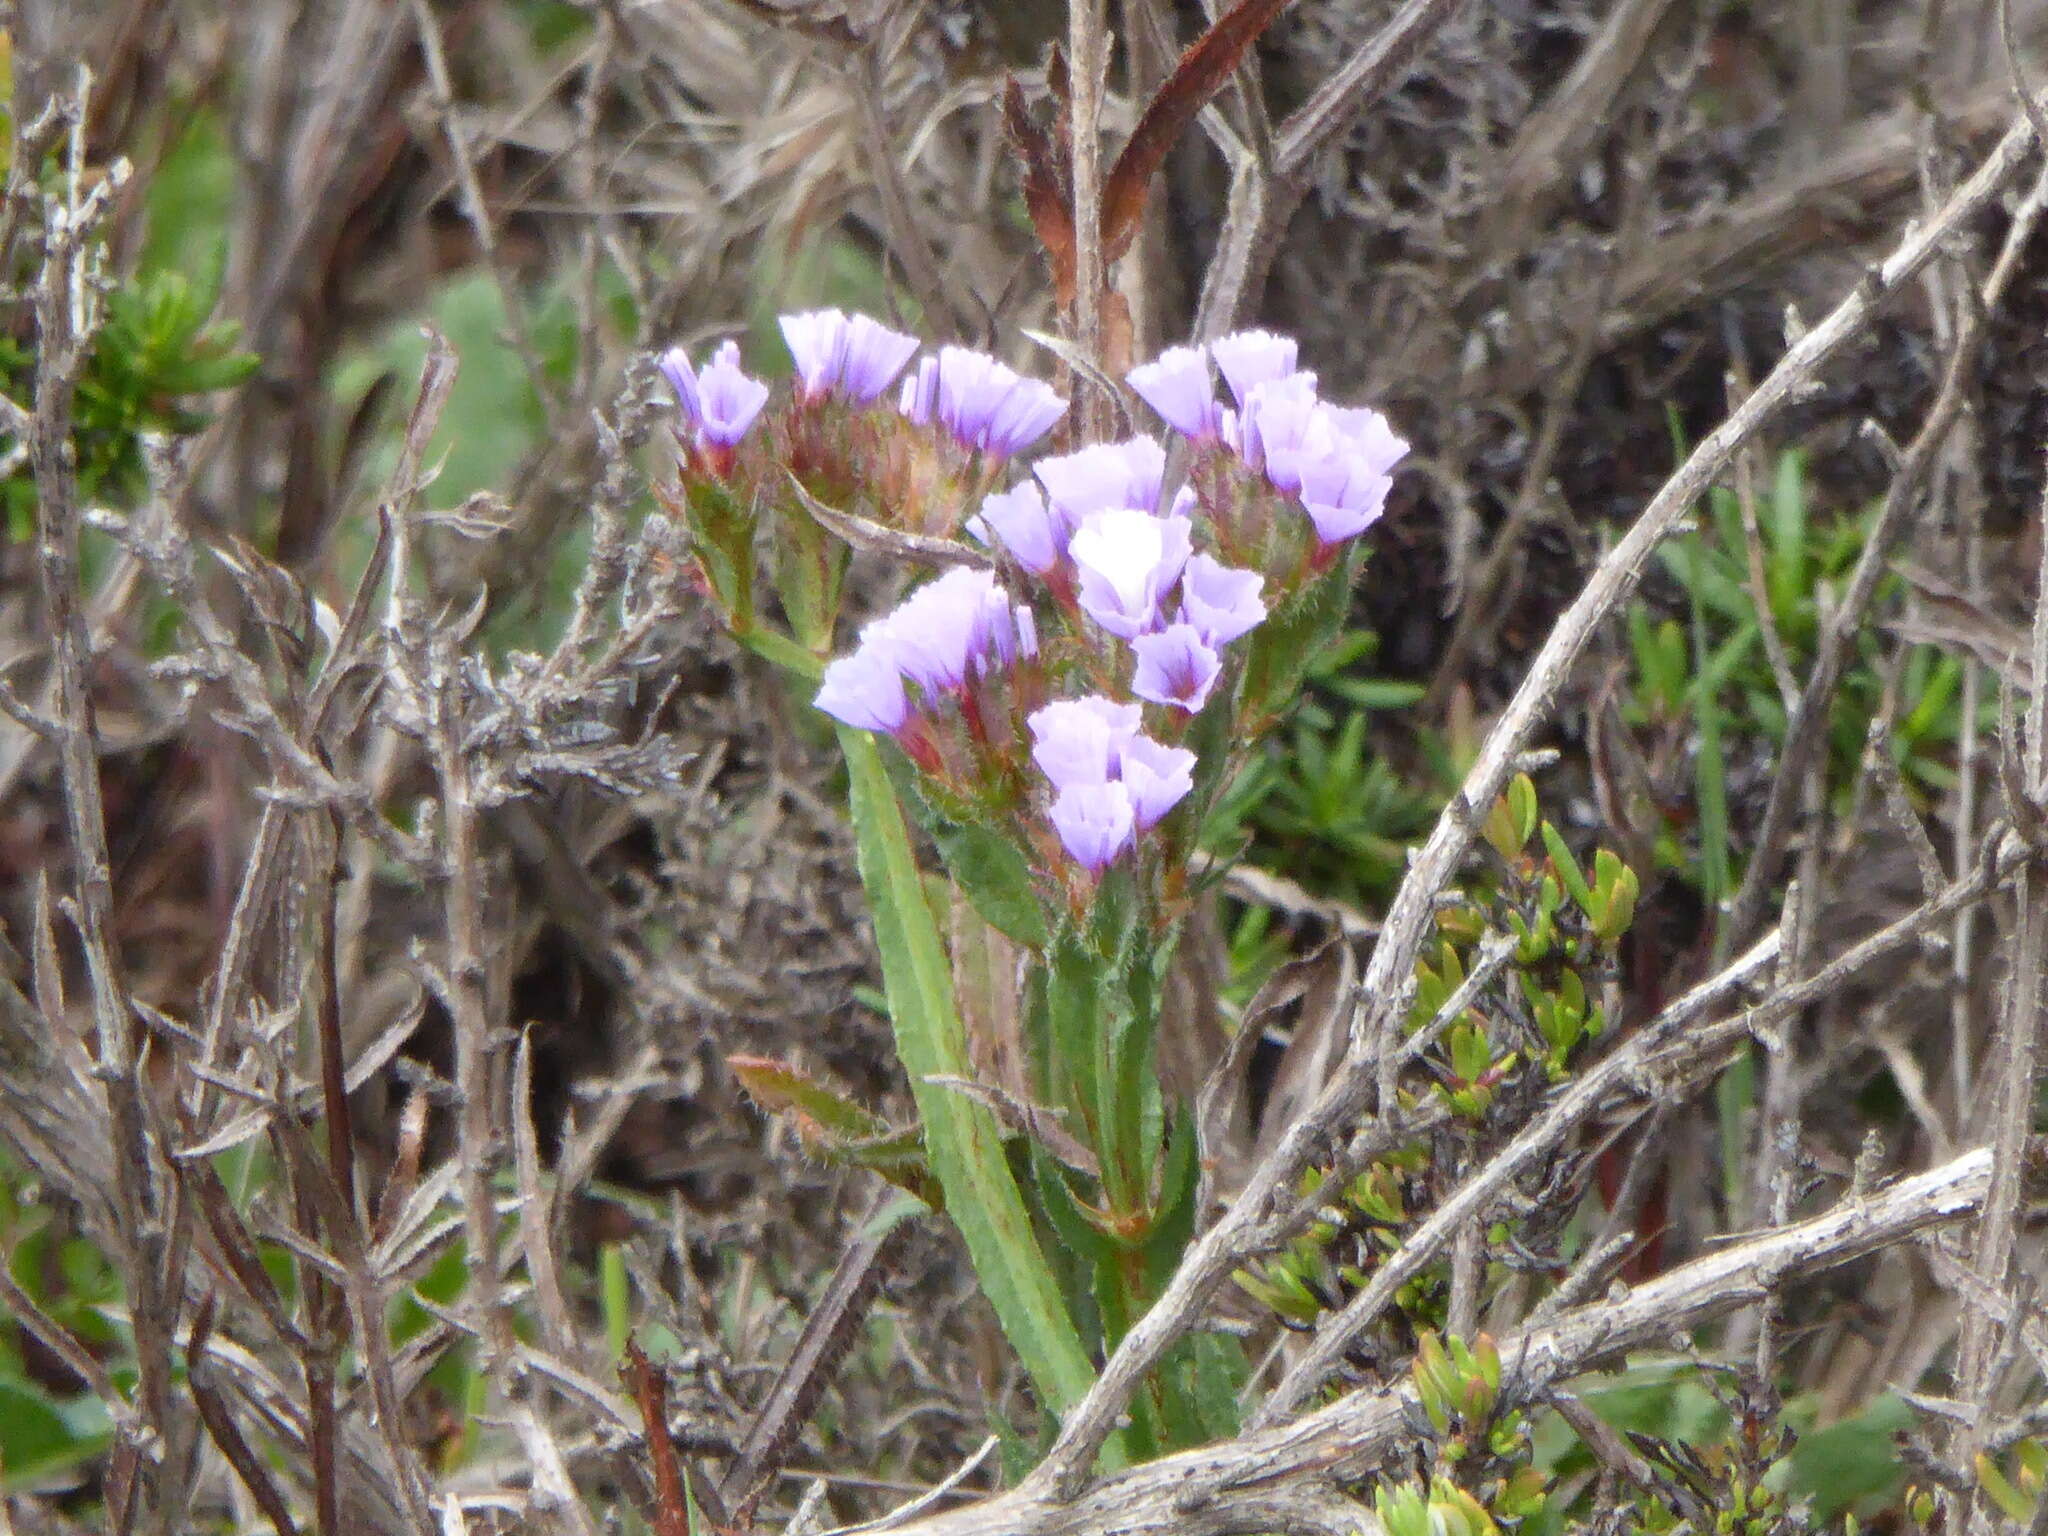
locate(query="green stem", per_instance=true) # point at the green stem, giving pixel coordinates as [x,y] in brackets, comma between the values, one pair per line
[961,1137]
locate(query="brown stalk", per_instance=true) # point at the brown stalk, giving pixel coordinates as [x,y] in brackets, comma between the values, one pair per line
[1203,69]
[671,1502]
[1088,61]
[220,1425]
[828,1333]
[64,318]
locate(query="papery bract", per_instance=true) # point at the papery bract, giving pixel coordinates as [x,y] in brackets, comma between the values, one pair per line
[1251,358]
[1175,666]
[1095,823]
[984,403]
[1220,601]
[1125,560]
[1081,741]
[1157,778]
[1176,384]
[1027,529]
[1007,632]
[854,354]
[920,392]
[727,401]
[1343,496]
[1367,435]
[1280,425]
[1024,415]
[865,690]
[817,348]
[1103,476]
[874,356]
[940,628]
[1027,633]
[682,378]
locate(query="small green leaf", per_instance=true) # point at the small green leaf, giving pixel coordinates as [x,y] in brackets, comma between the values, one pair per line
[1567,867]
[777,1086]
[39,1436]
[993,873]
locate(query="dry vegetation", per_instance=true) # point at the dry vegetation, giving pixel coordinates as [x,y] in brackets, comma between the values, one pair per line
[393,851]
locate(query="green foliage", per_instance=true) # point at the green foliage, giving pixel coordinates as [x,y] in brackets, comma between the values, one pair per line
[44,1432]
[1457,1387]
[1703,687]
[1514,1037]
[961,1139]
[158,348]
[2015,1482]
[1320,803]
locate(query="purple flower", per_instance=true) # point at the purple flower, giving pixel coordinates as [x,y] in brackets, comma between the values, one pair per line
[1175,667]
[1370,436]
[1343,495]
[817,347]
[1024,415]
[1157,778]
[985,404]
[1027,632]
[1176,384]
[1126,559]
[854,354]
[719,401]
[682,378]
[1220,601]
[1080,741]
[874,356]
[942,627]
[1104,475]
[1344,467]
[1281,423]
[1032,533]
[1251,358]
[1095,823]
[1007,632]
[865,690]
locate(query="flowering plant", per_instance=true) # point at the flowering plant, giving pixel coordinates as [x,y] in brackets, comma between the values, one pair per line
[1113,631]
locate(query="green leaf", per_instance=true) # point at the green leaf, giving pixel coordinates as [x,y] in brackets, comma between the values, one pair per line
[615,1299]
[836,1128]
[996,879]
[1567,867]
[39,1436]
[779,1087]
[1788,559]
[1377,692]
[962,1139]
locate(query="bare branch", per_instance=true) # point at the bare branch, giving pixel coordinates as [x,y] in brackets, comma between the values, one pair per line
[1237,1486]
[1389,979]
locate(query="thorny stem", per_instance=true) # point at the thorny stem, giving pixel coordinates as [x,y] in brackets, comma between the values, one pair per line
[66,313]
[1088,44]
[2018,1065]
[466,977]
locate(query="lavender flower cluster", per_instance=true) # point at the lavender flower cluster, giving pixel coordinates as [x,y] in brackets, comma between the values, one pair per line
[1143,612]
